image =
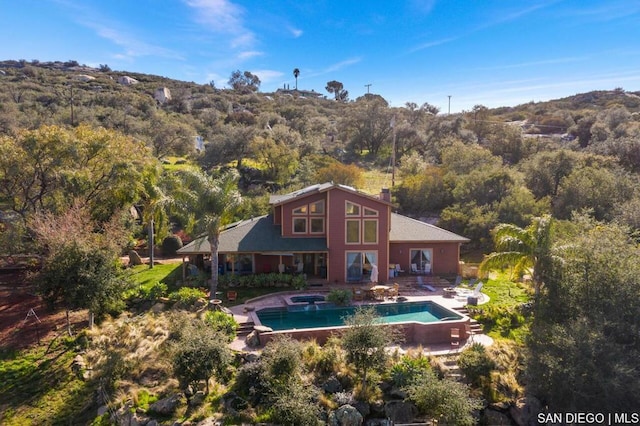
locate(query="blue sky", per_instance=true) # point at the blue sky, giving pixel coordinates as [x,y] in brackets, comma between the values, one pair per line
[488,52]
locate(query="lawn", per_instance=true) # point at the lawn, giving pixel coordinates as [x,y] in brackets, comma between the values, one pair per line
[506,315]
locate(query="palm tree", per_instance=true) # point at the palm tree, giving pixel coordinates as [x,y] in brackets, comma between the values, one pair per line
[296,73]
[210,204]
[155,202]
[524,249]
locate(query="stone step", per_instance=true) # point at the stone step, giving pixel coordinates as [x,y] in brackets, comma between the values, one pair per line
[244,328]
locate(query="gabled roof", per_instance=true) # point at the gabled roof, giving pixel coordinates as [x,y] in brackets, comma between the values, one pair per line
[254,236]
[317,188]
[406,229]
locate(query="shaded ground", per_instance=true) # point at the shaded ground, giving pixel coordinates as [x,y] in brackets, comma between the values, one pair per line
[19,328]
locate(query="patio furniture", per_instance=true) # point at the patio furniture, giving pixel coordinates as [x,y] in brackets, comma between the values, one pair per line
[457,281]
[378,294]
[414,268]
[232,296]
[393,292]
[455,338]
[469,294]
[358,295]
[398,269]
[449,293]
[281,268]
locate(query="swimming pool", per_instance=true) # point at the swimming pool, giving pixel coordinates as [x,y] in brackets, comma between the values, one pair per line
[328,315]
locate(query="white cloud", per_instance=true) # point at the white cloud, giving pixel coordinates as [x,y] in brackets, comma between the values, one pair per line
[268,76]
[223,17]
[296,32]
[249,54]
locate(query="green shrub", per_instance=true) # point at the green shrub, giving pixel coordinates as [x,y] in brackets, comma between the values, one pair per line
[476,364]
[408,368]
[153,291]
[340,297]
[171,244]
[223,323]
[187,295]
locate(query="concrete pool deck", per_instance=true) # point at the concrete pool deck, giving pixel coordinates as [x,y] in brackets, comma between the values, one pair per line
[243,314]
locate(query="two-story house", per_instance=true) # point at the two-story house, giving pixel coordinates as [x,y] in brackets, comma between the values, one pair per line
[335,233]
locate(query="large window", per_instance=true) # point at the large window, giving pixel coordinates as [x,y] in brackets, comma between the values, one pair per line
[300,210]
[421,258]
[299,225]
[360,264]
[370,231]
[317,207]
[352,209]
[317,225]
[353,231]
[308,219]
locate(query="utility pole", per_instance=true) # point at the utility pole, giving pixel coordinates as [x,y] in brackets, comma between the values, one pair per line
[449,113]
[367,86]
[393,153]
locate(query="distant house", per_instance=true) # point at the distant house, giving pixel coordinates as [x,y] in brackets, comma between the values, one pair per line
[300,93]
[334,233]
[126,80]
[162,95]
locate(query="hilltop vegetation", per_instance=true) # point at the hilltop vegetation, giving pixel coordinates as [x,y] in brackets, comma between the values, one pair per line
[497,165]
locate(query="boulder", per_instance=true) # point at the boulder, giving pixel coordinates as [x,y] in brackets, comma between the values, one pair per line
[253,339]
[525,411]
[158,307]
[134,258]
[397,393]
[332,385]
[197,399]
[363,408]
[233,403]
[209,421]
[347,415]
[167,406]
[378,422]
[400,411]
[496,418]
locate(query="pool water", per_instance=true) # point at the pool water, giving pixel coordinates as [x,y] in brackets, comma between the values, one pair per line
[327,315]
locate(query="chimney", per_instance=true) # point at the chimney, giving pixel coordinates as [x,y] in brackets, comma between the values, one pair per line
[385,195]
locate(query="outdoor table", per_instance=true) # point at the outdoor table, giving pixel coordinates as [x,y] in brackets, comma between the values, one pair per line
[449,292]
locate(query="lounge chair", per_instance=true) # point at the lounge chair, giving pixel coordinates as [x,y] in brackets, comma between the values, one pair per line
[457,281]
[422,284]
[414,268]
[465,293]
